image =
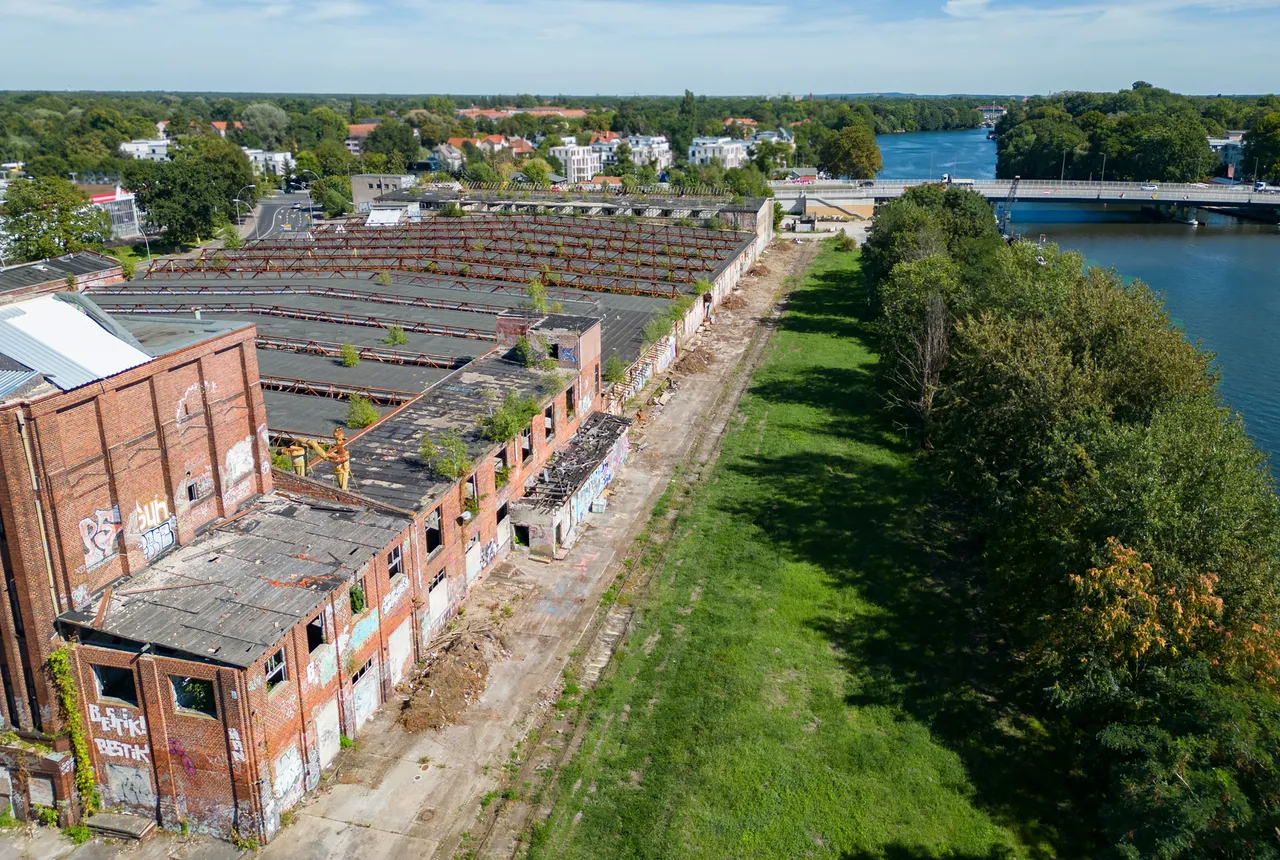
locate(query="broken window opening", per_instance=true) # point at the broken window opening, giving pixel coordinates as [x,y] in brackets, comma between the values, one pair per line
[526,444]
[116,683]
[315,634]
[194,695]
[571,400]
[503,513]
[395,564]
[362,671]
[275,670]
[435,536]
[549,420]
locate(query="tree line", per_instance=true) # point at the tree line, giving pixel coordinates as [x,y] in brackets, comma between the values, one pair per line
[1139,134]
[1120,530]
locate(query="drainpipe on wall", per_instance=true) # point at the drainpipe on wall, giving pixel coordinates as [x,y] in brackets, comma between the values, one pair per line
[35,489]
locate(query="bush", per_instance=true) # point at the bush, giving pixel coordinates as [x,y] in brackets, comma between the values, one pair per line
[77,833]
[509,419]
[46,815]
[395,336]
[452,210]
[360,412]
[843,242]
[350,356]
[359,600]
[656,329]
[446,456]
[614,370]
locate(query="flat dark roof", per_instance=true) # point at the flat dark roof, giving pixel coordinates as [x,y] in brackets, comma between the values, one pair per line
[79,264]
[233,593]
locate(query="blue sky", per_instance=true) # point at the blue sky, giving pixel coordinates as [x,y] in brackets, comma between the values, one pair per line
[639,46]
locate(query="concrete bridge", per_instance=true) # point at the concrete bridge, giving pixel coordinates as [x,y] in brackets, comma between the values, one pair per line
[1174,200]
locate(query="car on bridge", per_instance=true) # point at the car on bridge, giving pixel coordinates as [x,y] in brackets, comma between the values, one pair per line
[1150,186]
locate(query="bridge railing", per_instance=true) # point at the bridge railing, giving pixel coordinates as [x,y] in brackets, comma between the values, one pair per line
[1033,189]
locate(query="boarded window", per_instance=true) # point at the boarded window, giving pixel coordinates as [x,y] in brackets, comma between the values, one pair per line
[276,671]
[435,536]
[194,695]
[115,683]
[438,596]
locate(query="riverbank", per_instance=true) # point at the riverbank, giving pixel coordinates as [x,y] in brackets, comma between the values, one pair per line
[767,701]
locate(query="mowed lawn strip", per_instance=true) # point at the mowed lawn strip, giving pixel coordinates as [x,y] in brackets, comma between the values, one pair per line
[755,710]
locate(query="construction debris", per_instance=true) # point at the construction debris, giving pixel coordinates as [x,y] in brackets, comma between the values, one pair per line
[694,361]
[455,675]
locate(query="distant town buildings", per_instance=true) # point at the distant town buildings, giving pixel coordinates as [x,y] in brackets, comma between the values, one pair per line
[367,187]
[147,150]
[580,162]
[270,163]
[991,113]
[729,152]
[1230,148]
[499,114]
[356,133]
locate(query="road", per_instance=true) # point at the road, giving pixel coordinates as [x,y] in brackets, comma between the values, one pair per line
[1032,191]
[275,214]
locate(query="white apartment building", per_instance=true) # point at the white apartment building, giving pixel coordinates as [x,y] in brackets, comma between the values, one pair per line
[147,150]
[274,163]
[654,150]
[730,153]
[580,162]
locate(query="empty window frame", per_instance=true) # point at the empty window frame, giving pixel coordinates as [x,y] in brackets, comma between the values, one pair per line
[472,487]
[315,634]
[276,670]
[526,443]
[434,531]
[571,400]
[553,350]
[549,420]
[115,683]
[395,563]
[503,513]
[193,492]
[362,671]
[194,695]
[360,596]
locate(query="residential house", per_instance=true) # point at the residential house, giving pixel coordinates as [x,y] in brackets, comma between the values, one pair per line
[580,162]
[270,163]
[147,150]
[356,133]
[367,187]
[729,152]
[220,127]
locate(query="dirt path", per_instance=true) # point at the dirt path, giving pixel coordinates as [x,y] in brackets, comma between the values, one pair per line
[434,793]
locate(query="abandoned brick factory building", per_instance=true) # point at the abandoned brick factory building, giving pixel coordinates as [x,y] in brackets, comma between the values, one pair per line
[189,632]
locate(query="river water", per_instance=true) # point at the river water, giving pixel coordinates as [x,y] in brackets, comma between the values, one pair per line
[1220,280]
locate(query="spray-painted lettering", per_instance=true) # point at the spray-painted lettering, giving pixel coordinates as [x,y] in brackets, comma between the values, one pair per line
[488,554]
[98,533]
[120,749]
[118,721]
[152,514]
[237,746]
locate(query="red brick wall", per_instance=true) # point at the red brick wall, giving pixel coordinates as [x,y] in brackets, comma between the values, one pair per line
[113,462]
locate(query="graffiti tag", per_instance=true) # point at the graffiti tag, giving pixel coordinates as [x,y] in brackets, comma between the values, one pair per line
[175,749]
[118,721]
[160,538]
[120,749]
[237,747]
[489,553]
[99,535]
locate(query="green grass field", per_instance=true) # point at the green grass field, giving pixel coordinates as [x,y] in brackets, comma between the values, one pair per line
[800,685]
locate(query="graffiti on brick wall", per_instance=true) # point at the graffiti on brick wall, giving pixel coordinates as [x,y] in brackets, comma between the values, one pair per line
[398,591]
[120,749]
[159,529]
[118,721]
[365,627]
[489,553]
[239,461]
[600,478]
[264,449]
[288,783]
[366,697]
[190,402]
[130,785]
[177,751]
[237,745]
[99,532]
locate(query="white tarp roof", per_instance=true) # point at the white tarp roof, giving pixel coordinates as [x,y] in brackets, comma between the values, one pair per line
[384,217]
[63,343]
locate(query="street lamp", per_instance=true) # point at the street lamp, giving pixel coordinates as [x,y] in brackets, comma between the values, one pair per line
[1104,169]
[1063,175]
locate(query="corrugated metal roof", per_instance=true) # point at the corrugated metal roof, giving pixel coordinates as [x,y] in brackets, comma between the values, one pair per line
[62,343]
[12,380]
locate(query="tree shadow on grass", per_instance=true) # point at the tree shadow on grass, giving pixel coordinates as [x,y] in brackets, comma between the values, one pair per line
[912,852]
[865,520]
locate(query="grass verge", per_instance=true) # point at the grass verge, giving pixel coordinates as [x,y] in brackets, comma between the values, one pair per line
[762,707]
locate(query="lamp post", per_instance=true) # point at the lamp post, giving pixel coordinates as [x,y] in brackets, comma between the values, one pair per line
[1104,169]
[1063,175]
